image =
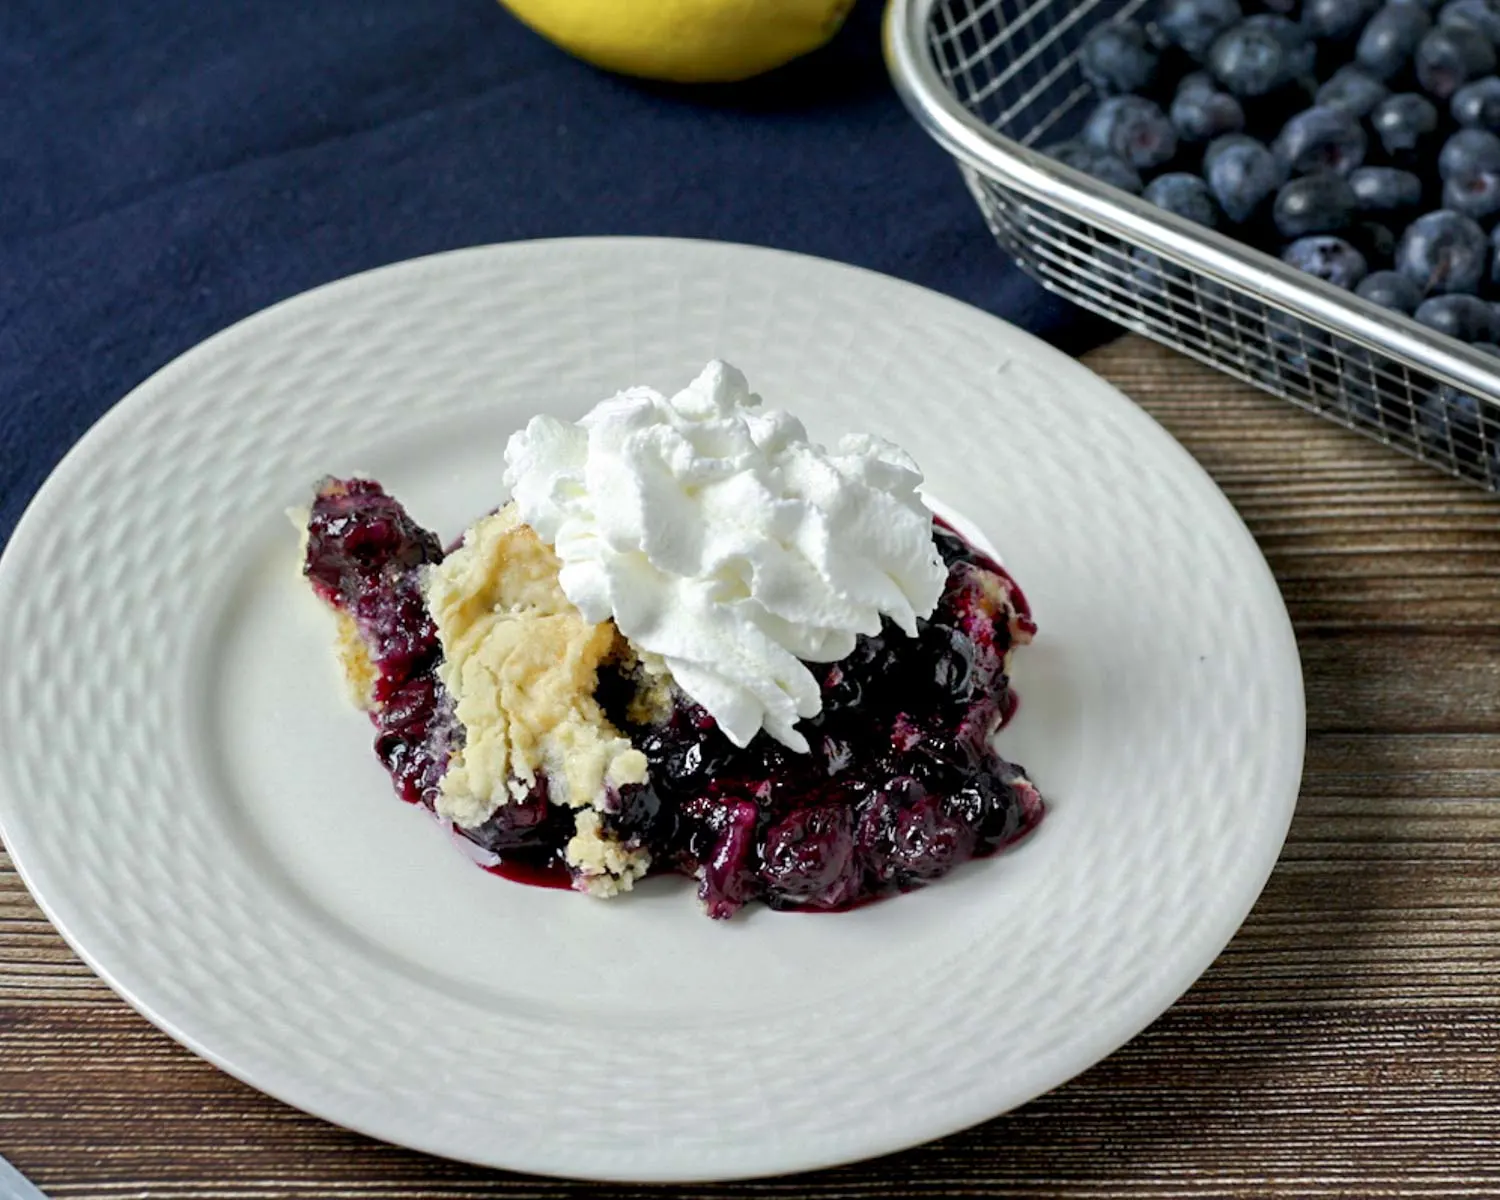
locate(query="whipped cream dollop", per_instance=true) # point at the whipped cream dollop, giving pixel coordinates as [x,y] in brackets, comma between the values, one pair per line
[717,536]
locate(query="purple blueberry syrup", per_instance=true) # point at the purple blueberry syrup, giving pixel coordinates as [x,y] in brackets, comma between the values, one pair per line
[901,785]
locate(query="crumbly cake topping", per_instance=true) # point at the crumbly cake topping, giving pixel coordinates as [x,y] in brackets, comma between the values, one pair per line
[522,664]
[360,671]
[603,865]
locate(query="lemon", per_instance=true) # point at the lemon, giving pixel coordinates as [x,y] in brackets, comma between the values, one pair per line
[685,41]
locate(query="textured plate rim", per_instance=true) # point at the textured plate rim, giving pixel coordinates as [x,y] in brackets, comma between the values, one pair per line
[1083,1053]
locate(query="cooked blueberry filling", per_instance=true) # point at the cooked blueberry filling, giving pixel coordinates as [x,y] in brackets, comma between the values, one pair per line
[901,784]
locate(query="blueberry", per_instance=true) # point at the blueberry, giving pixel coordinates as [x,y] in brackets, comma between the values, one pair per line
[988,803]
[1390,289]
[1470,167]
[1298,346]
[729,879]
[905,836]
[1102,165]
[808,858]
[1133,129]
[1385,189]
[1454,423]
[1293,35]
[1443,252]
[1448,58]
[1321,139]
[1353,91]
[1404,123]
[1288,32]
[1329,258]
[1473,14]
[1242,174]
[1186,195]
[1467,318]
[1477,105]
[1117,59]
[1390,38]
[949,654]
[1202,114]
[1469,152]
[1321,203]
[1336,20]
[1258,56]
[1477,196]
[1193,24]
[1358,388]
[1153,278]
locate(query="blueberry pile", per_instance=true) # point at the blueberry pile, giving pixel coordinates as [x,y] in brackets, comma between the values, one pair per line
[1355,140]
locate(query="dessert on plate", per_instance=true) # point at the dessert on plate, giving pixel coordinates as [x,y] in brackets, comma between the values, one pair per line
[692,641]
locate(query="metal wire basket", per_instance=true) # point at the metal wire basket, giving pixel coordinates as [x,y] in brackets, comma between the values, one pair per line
[991,80]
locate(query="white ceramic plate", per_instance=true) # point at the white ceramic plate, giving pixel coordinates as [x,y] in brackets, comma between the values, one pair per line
[193,803]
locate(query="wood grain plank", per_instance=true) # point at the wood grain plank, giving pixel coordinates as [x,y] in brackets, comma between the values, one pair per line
[1345,1044]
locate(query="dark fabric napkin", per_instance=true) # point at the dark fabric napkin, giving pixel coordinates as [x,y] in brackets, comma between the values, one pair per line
[168,167]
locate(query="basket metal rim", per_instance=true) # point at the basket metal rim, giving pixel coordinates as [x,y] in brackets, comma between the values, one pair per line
[1234,264]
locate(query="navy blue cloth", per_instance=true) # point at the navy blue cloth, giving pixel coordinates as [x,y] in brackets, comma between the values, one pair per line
[168,167]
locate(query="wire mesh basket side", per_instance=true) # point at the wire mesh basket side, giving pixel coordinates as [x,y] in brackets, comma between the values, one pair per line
[1014,65]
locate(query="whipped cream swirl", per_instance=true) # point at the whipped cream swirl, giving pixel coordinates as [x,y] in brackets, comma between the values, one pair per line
[717,536]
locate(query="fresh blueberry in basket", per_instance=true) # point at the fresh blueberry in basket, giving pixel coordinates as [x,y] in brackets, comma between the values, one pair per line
[1361,378]
[1467,318]
[1101,164]
[1390,289]
[1354,91]
[1473,14]
[1469,152]
[1405,124]
[1336,20]
[1385,190]
[1321,203]
[1186,195]
[1443,252]
[1134,129]
[1390,38]
[1202,113]
[1260,54]
[1448,58]
[1476,196]
[1298,347]
[1162,285]
[1321,139]
[1477,105]
[1454,423]
[1242,173]
[1117,59]
[1193,24]
[1470,168]
[1329,258]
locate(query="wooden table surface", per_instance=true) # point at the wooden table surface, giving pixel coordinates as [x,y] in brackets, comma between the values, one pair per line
[1347,1043]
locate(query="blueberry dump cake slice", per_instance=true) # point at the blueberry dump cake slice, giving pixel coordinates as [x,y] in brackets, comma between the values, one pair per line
[693,642]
